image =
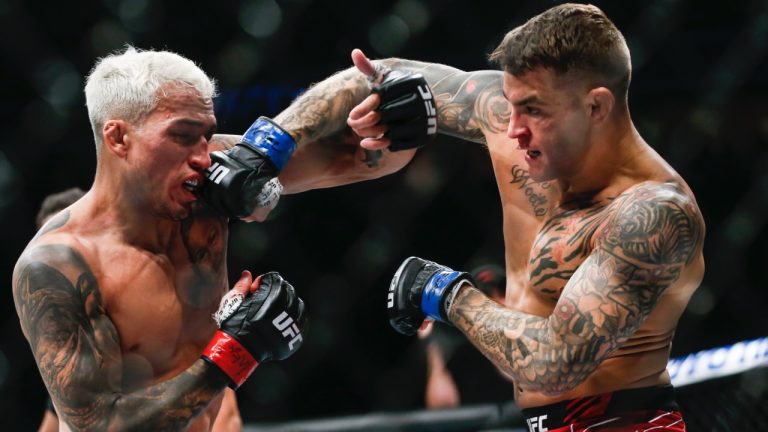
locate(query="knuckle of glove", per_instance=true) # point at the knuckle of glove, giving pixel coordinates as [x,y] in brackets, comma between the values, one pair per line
[408,108]
[235,179]
[404,303]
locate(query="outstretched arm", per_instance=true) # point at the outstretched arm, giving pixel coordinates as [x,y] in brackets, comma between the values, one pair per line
[470,105]
[655,232]
[77,350]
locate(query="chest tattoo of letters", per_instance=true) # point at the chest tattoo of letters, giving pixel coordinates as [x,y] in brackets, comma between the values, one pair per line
[536,197]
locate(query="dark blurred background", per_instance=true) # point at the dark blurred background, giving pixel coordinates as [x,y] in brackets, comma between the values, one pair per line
[698,96]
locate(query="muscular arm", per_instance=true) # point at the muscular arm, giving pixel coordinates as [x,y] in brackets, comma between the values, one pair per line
[653,234]
[77,349]
[470,105]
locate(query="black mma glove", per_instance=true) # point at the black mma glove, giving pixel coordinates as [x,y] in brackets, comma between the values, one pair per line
[421,289]
[245,176]
[408,108]
[255,328]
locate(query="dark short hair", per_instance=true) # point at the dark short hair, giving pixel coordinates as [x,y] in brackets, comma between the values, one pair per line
[56,202]
[569,38]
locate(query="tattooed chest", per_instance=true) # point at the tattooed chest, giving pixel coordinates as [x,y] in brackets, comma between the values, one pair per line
[561,245]
[199,261]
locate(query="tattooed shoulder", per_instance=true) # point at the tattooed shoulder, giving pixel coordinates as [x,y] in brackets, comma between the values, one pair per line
[62,315]
[655,223]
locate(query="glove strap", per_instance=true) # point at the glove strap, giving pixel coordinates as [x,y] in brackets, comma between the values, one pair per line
[231,357]
[266,137]
[434,291]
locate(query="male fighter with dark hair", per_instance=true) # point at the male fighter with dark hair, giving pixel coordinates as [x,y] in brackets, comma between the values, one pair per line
[603,238]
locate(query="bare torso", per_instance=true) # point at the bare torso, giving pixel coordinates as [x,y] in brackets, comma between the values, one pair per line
[546,241]
[159,301]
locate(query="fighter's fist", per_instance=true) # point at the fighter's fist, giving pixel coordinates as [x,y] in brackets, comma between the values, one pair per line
[245,176]
[258,321]
[408,108]
[399,114]
[421,289]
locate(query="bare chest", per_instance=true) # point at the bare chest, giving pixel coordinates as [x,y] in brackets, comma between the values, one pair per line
[161,305]
[562,243]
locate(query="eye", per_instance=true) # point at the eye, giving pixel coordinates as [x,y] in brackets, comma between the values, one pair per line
[532,110]
[185,138]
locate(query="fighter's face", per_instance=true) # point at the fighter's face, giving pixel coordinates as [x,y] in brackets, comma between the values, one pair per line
[169,151]
[549,121]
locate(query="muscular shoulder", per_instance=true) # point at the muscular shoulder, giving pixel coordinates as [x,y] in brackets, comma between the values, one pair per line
[51,257]
[54,249]
[655,223]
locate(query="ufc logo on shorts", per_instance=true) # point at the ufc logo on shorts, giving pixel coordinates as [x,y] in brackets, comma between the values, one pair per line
[285,324]
[536,424]
[429,104]
[216,172]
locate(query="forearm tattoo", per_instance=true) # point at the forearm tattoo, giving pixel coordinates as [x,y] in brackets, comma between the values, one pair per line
[323,109]
[652,233]
[469,104]
[78,352]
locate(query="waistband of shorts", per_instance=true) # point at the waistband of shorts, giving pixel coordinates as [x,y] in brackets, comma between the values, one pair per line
[565,412]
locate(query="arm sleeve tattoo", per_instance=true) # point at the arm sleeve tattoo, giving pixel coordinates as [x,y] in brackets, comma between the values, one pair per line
[654,232]
[469,104]
[77,349]
[323,109]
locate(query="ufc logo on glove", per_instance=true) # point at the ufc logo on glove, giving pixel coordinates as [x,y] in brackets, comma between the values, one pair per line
[285,324]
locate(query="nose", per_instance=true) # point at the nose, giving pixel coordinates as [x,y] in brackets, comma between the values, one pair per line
[200,159]
[516,129]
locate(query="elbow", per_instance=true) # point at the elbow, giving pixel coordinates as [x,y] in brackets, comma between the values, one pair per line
[557,377]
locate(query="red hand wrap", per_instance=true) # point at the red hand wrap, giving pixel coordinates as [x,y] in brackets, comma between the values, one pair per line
[231,357]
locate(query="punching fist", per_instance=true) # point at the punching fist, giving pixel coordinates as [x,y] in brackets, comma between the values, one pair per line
[421,289]
[258,321]
[401,112]
[408,108]
[245,176]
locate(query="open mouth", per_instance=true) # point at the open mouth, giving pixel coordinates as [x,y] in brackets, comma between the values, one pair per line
[190,185]
[533,154]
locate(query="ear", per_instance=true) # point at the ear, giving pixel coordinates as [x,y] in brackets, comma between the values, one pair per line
[601,103]
[114,135]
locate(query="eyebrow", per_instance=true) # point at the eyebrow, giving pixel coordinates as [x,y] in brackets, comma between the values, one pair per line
[193,123]
[526,100]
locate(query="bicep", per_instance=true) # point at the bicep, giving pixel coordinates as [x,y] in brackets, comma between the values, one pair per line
[606,300]
[642,250]
[74,344]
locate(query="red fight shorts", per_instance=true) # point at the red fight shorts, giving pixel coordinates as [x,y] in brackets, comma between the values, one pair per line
[651,409]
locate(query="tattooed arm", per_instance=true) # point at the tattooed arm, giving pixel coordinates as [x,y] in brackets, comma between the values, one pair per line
[470,105]
[655,232]
[77,349]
